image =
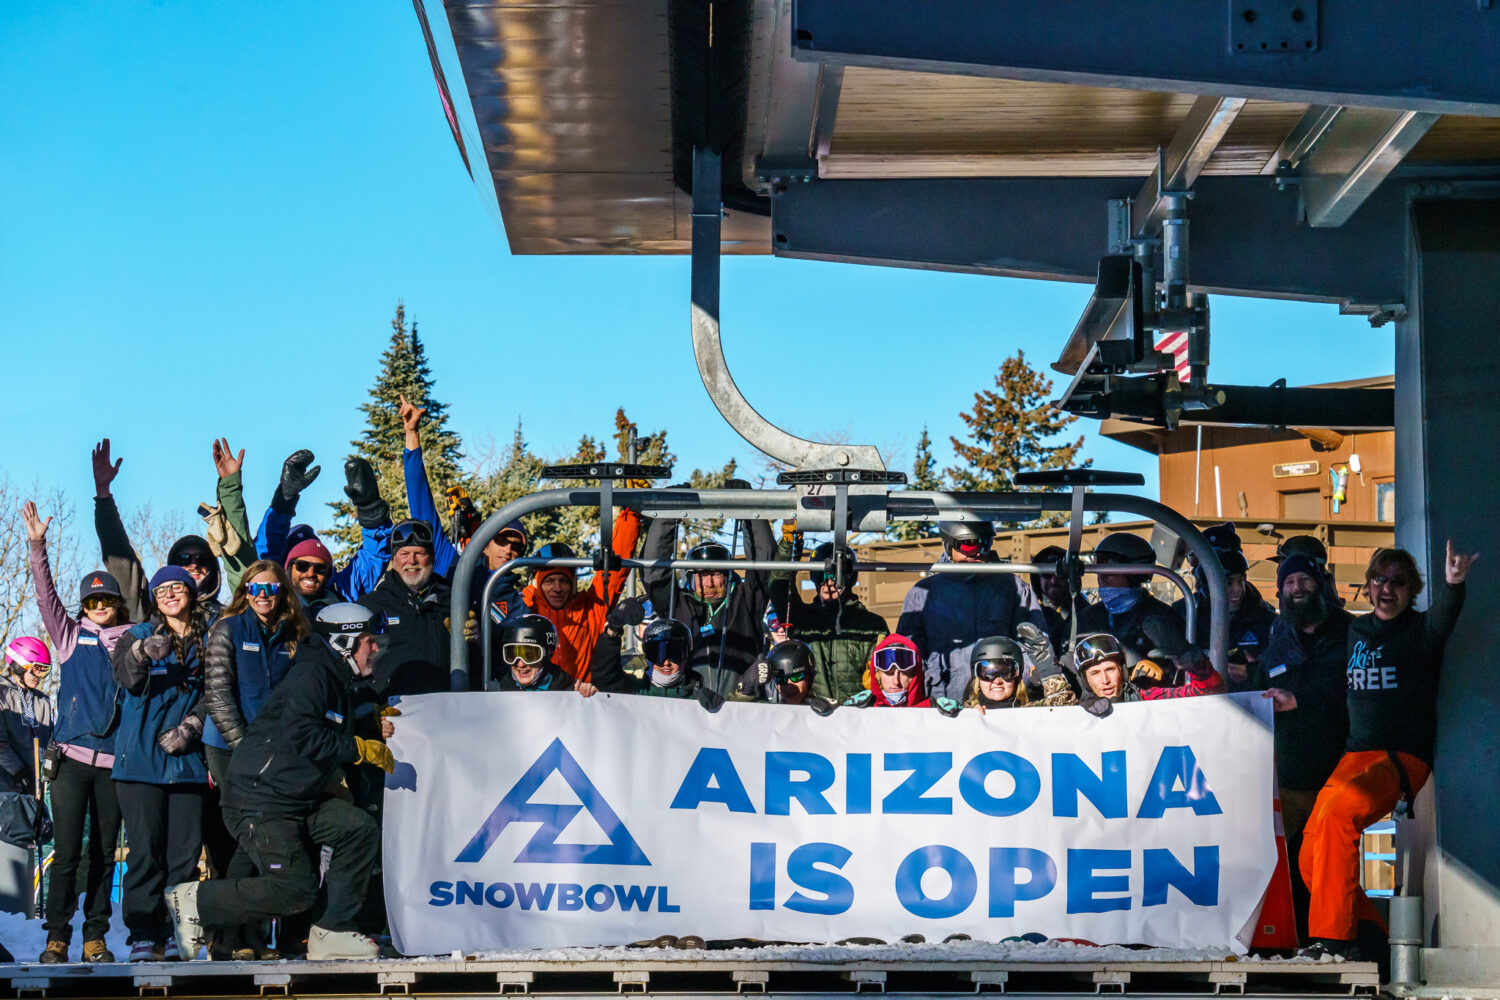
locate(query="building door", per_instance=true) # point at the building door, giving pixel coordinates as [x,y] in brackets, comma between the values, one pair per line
[1303,505]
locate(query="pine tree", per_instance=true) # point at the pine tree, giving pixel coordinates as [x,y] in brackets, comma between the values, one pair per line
[923,477]
[1011,429]
[403,372]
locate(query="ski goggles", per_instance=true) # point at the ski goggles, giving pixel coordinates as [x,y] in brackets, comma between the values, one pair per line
[1096,648]
[893,658]
[315,567]
[662,650]
[972,546]
[411,533]
[796,676]
[95,602]
[263,589]
[526,653]
[997,670]
[39,669]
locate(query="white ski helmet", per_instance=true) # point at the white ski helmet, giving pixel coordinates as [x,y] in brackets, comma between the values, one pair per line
[342,624]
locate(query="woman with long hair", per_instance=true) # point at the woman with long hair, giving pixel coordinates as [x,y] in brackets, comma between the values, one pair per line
[249,652]
[159,771]
[83,790]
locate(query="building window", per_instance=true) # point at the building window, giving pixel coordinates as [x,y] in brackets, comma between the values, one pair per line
[1304,505]
[1385,502]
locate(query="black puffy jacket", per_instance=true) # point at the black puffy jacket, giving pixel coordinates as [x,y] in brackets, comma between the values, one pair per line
[414,656]
[302,737]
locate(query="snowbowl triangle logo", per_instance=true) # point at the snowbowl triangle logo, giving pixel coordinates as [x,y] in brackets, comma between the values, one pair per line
[543,847]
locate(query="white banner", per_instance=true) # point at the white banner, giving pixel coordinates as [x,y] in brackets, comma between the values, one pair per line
[531,820]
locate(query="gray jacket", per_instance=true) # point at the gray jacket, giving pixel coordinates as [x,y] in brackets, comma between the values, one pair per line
[17,731]
[944,614]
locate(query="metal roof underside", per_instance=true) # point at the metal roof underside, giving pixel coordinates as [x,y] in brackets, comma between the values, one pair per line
[573,100]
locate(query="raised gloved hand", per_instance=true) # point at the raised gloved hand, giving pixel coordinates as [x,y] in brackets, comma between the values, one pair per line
[947,706]
[377,753]
[710,699]
[1166,635]
[364,493]
[1038,649]
[155,646]
[1095,705]
[182,738]
[296,476]
[626,613]
[1147,673]
[789,531]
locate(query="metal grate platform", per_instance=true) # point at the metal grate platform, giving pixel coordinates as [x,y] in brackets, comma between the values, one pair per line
[691,977]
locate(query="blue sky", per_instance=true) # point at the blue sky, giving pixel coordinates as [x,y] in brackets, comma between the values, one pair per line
[210,211]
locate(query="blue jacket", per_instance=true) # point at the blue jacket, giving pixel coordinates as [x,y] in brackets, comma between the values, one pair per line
[241,666]
[351,581]
[946,613]
[86,696]
[505,599]
[158,695]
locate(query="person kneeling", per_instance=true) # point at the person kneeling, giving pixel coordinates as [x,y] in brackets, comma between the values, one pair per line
[279,805]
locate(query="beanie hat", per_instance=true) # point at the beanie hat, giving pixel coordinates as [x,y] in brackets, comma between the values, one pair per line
[1223,537]
[300,533]
[309,549]
[173,574]
[99,582]
[1233,561]
[1298,564]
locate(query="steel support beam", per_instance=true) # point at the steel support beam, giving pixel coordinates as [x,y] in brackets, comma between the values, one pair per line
[1396,54]
[1182,160]
[1054,228]
[1355,152]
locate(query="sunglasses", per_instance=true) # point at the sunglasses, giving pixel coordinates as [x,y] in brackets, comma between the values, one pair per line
[997,670]
[527,653]
[411,533]
[95,602]
[893,658]
[263,589]
[193,558]
[311,566]
[1399,582]
[170,590]
[1096,648]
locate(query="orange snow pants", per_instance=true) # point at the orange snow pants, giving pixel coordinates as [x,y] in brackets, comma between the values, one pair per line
[1364,787]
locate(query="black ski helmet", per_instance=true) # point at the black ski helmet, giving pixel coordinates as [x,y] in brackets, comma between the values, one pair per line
[824,552]
[666,639]
[1123,547]
[1303,545]
[534,630]
[955,532]
[790,658]
[708,550]
[997,648]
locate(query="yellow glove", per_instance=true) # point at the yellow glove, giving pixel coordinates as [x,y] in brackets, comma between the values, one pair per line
[389,710]
[789,531]
[1146,670]
[471,628]
[377,753]
[637,484]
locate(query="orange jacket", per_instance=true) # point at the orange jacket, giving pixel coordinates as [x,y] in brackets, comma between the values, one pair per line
[580,621]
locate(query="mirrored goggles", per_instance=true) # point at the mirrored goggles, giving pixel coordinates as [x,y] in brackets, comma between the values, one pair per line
[893,658]
[411,533]
[662,650]
[263,589]
[1096,648]
[527,653]
[40,669]
[94,602]
[796,676]
[997,670]
[972,546]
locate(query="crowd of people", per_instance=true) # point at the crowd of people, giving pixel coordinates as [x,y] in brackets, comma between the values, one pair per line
[249,737]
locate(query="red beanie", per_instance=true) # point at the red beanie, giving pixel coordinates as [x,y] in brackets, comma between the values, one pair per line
[309,549]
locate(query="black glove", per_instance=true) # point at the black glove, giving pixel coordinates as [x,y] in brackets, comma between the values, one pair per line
[1095,705]
[947,706]
[24,781]
[369,509]
[295,477]
[182,738]
[625,614]
[154,647]
[1037,646]
[710,699]
[822,705]
[1167,636]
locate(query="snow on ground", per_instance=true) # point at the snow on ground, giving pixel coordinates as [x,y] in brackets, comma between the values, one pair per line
[26,938]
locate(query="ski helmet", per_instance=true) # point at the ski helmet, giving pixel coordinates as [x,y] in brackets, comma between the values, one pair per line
[792,660]
[666,639]
[25,651]
[997,658]
[1123,547]
[824,552]
[342,624]
[972,537]
[533,630]
[1303,545]
[708,550]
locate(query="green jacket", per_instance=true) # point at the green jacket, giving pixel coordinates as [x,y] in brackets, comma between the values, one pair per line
[841,636]
[232,502]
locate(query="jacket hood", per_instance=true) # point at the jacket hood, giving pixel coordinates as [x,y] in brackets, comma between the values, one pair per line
[916,688]
[209,587]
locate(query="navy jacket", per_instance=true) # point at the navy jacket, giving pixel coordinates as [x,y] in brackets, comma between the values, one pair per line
[158,695]
[241,666]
